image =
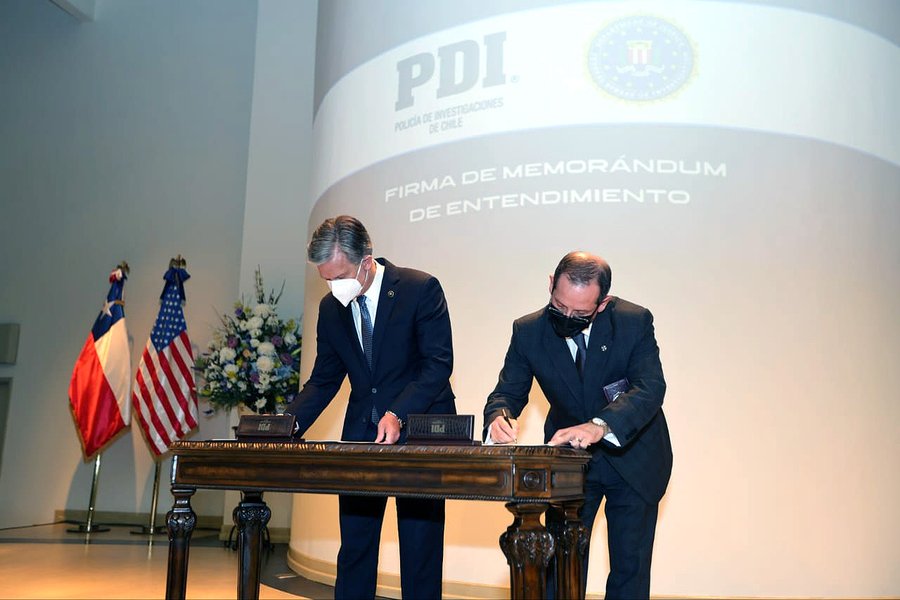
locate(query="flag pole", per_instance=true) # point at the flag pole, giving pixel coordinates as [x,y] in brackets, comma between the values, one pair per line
[89,527]
[153,529]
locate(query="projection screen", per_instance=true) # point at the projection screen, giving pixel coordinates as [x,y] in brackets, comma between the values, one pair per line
[737,164]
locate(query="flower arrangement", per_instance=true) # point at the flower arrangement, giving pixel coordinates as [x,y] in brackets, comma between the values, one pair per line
[254,357]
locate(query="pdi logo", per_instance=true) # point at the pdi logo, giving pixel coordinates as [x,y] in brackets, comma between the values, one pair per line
[459,68]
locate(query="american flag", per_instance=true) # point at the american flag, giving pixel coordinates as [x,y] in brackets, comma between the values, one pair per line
[165,398]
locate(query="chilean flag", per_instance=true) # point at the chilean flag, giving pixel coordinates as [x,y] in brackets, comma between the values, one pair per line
[101,380]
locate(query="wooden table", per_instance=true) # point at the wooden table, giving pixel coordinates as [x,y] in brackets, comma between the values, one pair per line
[530,479]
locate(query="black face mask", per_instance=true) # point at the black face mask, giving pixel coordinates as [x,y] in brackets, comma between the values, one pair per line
[565,326]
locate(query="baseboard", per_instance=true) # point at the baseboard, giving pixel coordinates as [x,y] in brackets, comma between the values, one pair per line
[277,535]
[130,519]
[323,571]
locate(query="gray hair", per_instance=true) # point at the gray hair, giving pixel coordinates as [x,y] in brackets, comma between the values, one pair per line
[582,269]
[345,234]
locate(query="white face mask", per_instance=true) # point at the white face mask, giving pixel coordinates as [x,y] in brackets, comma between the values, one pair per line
[345,290]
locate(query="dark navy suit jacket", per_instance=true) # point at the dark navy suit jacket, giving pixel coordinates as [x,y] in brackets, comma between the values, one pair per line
[412,349]
[622,345]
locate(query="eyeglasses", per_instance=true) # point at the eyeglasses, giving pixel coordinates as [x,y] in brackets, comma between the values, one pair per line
[579,319]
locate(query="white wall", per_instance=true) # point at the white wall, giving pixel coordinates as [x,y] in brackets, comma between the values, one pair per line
[122,138]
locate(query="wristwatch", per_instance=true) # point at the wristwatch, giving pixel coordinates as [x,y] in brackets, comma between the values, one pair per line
[601,424]
[393,414]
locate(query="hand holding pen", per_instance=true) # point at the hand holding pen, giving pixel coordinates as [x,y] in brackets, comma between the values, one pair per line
[505,428]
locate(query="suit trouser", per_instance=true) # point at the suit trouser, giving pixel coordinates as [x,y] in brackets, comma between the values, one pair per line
[631,527]
[420,525]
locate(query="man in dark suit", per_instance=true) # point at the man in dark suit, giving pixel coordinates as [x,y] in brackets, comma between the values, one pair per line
[388,329]
[596,359]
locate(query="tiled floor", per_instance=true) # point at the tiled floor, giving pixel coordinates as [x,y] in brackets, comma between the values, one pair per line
[45,561]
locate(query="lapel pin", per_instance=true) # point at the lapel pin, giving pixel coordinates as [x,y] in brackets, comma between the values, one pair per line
[390,293]
[603,347]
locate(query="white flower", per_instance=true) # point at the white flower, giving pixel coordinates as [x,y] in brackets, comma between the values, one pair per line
[226,380]
[265,364]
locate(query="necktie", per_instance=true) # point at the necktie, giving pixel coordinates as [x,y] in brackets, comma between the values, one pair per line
[581,353]
[366,329]
[366,321]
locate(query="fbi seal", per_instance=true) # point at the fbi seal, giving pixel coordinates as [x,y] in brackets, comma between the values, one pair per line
[641,58]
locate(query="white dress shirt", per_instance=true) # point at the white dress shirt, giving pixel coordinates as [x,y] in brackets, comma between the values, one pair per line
[371,301]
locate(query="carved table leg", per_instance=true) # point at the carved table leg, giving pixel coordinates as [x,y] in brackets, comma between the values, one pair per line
[572,540]
[180,523]
[528,548]
[250,518]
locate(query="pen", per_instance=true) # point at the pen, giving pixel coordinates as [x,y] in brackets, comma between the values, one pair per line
[508,418]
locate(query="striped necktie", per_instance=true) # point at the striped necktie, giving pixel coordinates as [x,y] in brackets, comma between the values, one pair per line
[366,321]
[366,329]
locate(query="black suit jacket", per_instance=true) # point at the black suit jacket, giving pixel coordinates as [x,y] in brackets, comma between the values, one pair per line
[412,349]
[622,345]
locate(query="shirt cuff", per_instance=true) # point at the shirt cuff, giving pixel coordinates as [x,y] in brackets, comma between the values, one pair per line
[612,439]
